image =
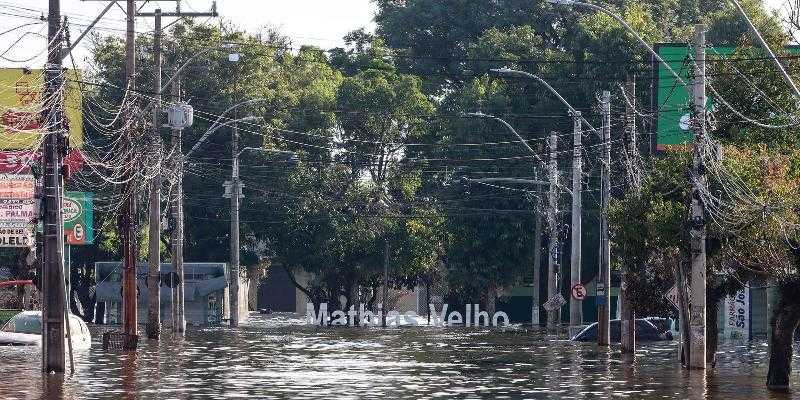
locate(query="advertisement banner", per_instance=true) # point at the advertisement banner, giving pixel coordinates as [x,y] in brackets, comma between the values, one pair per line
[18,211]
[20,108]
[12,235]
[737,315]
[17,186]
[78,218]
[20,162]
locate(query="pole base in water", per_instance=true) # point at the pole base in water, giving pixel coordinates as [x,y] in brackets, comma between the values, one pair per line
[115,340]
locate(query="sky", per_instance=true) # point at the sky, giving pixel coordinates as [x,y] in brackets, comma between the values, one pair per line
[315,22]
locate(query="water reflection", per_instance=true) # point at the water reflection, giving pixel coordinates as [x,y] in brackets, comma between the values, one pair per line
[278,356]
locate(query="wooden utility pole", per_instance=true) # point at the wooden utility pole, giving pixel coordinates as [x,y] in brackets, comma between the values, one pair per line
[604,275]
[127,224]
[697,234]
[154,210]
[179,319]
[53,282]
[553,316]
[627,315]
[154,216]
[575,305]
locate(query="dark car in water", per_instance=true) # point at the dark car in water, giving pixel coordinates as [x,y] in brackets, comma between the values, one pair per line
[646,331]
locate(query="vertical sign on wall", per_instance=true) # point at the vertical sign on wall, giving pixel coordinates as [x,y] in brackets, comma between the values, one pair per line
[737,315]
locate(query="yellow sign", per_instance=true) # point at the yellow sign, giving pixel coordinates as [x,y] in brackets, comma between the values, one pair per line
[21,108]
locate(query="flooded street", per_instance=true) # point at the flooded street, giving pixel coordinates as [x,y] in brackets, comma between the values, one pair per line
[280,357]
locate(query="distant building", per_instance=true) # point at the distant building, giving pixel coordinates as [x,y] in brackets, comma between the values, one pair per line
[278,293]
[205,293]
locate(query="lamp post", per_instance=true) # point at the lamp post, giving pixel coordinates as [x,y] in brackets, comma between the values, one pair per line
[576,311]
[696,327]
[537,232]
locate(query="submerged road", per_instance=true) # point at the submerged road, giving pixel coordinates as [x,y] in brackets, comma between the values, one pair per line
[278,356]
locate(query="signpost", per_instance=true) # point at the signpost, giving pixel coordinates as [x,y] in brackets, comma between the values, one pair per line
[579,292]
[672,296]
[555,302]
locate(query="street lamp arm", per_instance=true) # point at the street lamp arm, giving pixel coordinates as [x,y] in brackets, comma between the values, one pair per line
[182,67]
[261,149]
[510,128]
[509,180]
[215,127]
[626,26]
[572,110]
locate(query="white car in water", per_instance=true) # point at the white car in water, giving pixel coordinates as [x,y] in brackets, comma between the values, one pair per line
[25,329]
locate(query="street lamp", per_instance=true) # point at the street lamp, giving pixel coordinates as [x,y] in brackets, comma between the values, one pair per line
[522,74]
[576,313]
[537,233]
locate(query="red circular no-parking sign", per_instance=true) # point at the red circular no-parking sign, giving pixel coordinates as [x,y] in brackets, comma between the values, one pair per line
[579,292]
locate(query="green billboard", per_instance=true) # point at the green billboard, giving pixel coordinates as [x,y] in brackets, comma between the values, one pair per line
[671,100]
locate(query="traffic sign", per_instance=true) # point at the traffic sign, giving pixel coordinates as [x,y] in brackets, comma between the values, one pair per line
[554,303]
[579,292]
[672,296]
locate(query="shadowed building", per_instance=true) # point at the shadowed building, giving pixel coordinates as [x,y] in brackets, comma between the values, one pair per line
[205,292]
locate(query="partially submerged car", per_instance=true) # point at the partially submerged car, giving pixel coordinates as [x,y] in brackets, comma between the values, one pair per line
[646,331]
[25,329]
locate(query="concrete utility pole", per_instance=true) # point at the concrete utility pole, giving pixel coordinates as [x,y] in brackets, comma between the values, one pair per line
[537,266]
[53,283]
[385,297]
[697,322]
[236,192]
[553,316]
[127,224]
[575,306]
[179,319]
[154,217]
[627,316]
[604,275]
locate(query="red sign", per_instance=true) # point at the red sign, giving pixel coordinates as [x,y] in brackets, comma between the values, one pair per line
[19,162]
[579,292]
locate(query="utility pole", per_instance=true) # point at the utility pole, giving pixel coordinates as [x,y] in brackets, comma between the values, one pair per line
[154,214]
[537,266]
[604,275]
[179,319]
[627,315]
[127,224]
[697,234]
[553,316]
[575,305]
[53,283]
[154,221]
[235,193]
[385,299]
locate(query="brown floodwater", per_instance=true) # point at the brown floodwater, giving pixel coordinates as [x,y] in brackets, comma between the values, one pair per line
[279,356]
